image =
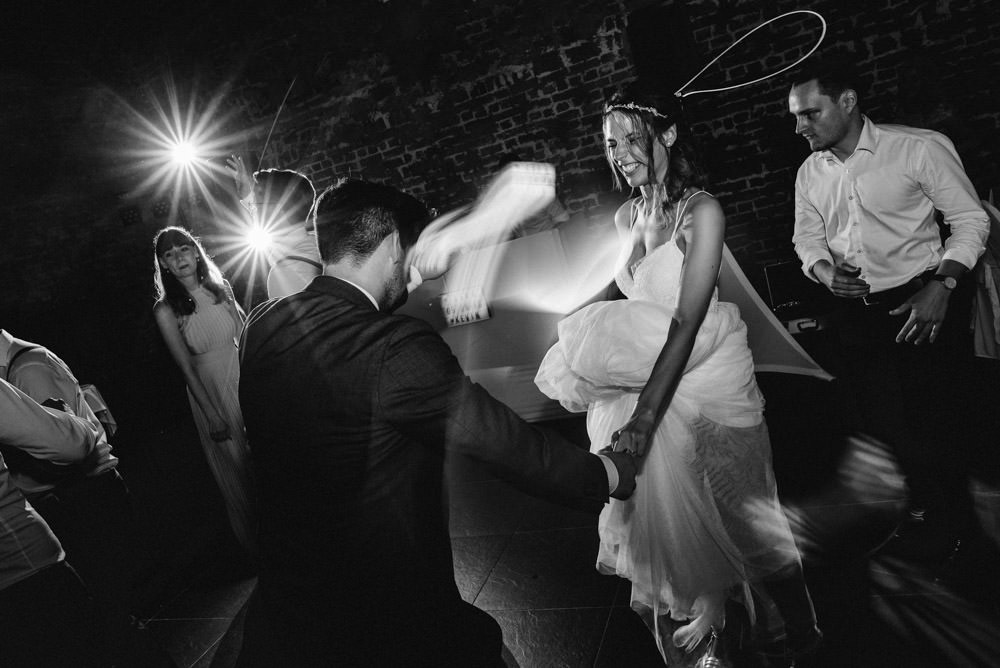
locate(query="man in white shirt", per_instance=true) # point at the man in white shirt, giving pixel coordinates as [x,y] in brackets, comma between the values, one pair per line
[866,207]
[44,612]
[86,504]
[281,200]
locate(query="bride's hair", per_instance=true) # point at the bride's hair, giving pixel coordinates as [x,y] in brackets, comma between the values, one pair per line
[657,112]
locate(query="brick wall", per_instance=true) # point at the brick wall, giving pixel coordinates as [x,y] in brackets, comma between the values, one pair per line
[427,100]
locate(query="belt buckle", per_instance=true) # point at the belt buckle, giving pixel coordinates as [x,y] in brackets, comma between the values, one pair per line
[870,300]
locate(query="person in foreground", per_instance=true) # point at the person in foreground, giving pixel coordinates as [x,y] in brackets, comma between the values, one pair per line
[46,617]
[667,376]
[866,200]
[352,411]
[201,322]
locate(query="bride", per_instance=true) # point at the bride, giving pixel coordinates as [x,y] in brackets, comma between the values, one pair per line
[667,376]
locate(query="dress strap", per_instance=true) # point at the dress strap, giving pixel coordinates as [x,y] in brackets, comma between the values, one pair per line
[680,213]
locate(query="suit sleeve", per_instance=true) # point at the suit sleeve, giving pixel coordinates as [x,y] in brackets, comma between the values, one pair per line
[424,394]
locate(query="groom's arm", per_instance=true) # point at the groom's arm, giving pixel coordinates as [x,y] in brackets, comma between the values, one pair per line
[425,395]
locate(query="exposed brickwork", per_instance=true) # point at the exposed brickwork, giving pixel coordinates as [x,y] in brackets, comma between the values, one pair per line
[431,109]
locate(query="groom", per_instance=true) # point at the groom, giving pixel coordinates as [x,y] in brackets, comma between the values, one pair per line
[352,411]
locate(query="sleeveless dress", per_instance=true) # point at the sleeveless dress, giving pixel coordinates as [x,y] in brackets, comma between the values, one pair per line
[211,336]
[705,515]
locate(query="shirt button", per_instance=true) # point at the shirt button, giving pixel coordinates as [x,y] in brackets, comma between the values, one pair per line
[850,197]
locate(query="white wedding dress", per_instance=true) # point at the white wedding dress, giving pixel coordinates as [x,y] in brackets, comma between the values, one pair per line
[705,516]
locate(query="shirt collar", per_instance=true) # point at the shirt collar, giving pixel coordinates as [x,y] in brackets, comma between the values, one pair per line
[363,291]
[335,285]
[867,140]
[869,136]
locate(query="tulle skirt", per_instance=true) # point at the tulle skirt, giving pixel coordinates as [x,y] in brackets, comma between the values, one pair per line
[705,514]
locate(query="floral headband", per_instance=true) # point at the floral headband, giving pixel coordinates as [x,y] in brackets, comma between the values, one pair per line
[632,106]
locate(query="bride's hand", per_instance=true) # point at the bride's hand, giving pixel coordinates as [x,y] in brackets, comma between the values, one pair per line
[635,435]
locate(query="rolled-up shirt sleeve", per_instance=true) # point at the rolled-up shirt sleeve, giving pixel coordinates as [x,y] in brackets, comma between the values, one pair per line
[945,182]
[809,236]
[42,432]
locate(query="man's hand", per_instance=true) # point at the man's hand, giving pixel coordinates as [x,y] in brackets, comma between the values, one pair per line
[927,309]
[241,177]
[627,470]
[842,280]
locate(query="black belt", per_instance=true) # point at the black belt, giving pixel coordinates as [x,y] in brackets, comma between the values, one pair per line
[895,296]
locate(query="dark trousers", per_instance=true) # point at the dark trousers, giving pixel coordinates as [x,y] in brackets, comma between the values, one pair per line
[918,399]
[306,636]
[93,520]
[45,621]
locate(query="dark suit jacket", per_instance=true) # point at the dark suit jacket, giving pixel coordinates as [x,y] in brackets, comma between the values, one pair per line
[350,413]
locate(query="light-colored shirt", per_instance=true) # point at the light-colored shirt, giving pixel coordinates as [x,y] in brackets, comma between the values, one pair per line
[298,264]
[27,545]
[41,375]
[876,209]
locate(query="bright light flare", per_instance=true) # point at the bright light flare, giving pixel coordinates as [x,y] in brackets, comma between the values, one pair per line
[183,154]
[259,239]
[180,148]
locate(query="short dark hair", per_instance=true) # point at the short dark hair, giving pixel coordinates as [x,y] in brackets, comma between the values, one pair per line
[289,191]
[353,217]
[833,75]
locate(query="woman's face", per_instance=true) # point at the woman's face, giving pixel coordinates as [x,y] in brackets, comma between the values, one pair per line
[181,260]
[625,141]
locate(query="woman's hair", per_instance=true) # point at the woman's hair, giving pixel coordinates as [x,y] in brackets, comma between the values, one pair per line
[655,113]
[168,288]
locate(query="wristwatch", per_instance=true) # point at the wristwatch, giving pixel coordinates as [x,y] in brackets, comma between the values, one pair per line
[949,281]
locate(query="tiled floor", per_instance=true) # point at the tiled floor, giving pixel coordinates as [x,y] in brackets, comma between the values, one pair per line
[530,565]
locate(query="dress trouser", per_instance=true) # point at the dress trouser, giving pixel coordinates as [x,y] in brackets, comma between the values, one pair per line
[93,520]
[917,399]
[45,621]
[302,636]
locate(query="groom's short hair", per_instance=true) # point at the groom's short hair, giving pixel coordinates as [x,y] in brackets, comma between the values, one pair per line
[353,217]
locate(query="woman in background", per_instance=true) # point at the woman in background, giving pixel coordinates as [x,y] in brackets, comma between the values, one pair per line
[201,323]
[667,376]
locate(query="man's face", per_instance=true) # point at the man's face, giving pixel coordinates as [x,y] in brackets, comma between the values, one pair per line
[395,293]
[821,120]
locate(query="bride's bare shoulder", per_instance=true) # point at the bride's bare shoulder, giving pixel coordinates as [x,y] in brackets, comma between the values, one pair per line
[625,214]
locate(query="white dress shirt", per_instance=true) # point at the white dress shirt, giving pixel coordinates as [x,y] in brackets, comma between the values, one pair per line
[26,543]
[875,210]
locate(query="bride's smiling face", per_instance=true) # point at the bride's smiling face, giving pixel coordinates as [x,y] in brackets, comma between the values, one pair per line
[627,142]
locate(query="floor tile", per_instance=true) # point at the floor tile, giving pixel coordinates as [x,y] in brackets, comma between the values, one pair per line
[627,642]
[475,557]
[187,639]
[548,569]
[208,600]
[553,638]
